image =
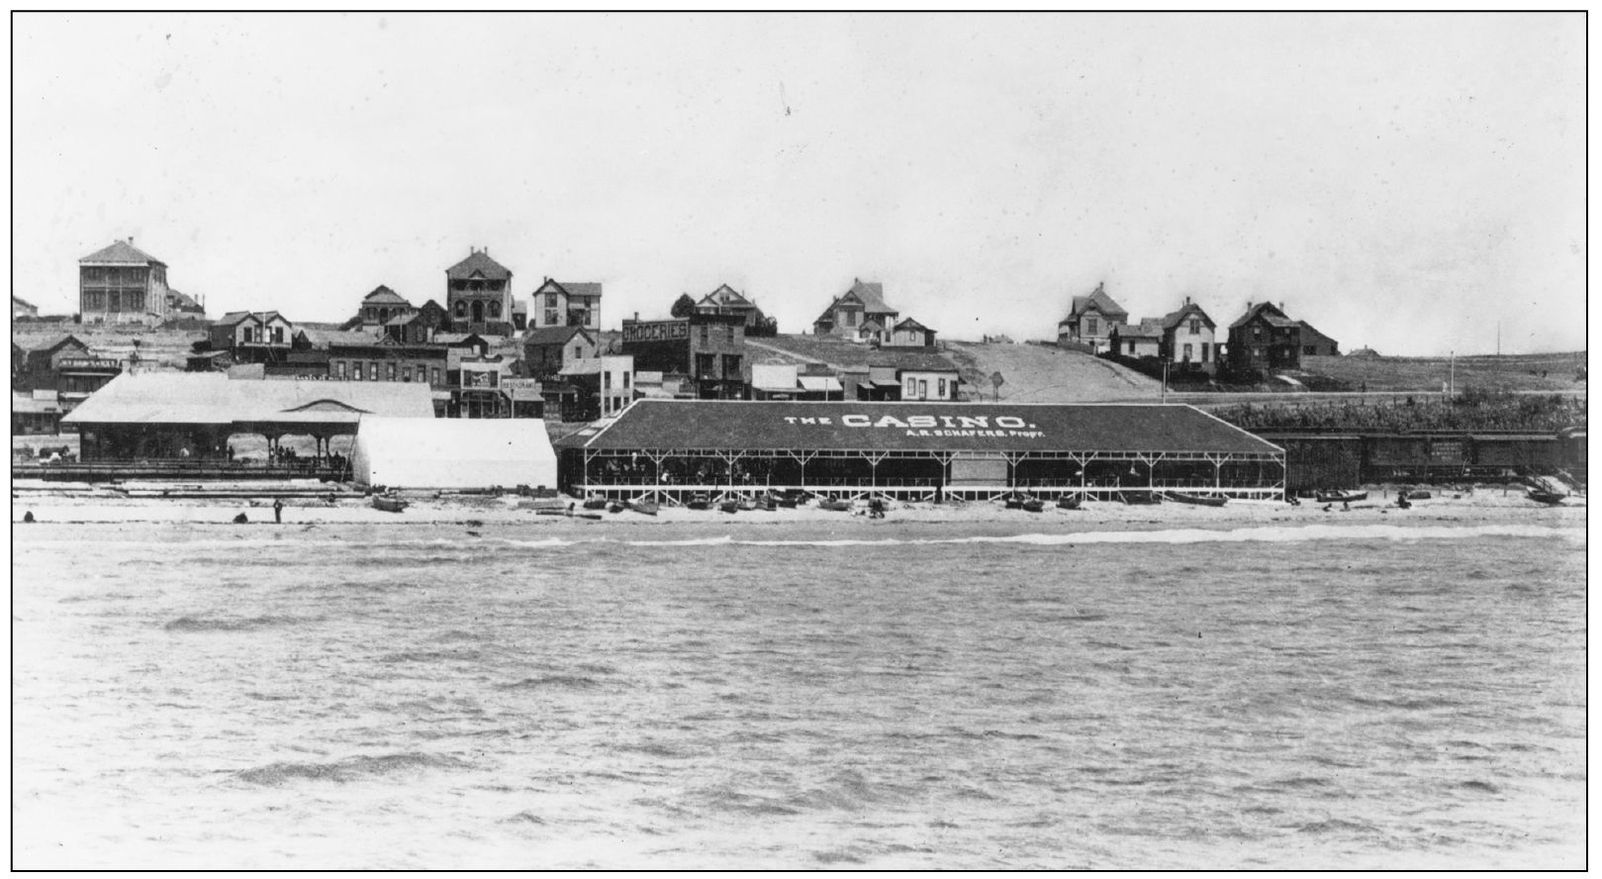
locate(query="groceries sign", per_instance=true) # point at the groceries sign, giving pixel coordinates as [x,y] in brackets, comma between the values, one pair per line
[930,425]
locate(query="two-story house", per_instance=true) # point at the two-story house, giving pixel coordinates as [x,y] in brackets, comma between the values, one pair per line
[1091,319]
[419,327]
[120,283]
[727,300]
[1263,339]
[848,313]
[566,303]
[478,295]
[1188,339]
[1316,344]
[547,350]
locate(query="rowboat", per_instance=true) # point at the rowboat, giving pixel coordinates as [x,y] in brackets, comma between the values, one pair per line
[1140,497]
[1542,496]
[1032,505]
[699,502]
[1197,499]
[388,504]
[614,507]
[1068,502]
[837,506]
[730,506]
[595,503]
[646,507]
[1342,497]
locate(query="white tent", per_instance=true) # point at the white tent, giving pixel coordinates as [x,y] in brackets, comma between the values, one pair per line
[453,453]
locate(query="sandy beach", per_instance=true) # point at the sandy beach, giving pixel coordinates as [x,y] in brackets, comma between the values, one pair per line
[61,502]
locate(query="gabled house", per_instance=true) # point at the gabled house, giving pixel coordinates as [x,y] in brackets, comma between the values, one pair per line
[1262,339]
[382,305]
[566,304]
[478,295]
[22,308]
[253,336]
[920,376]
[68,367]
[847,314]
[911,334]
[1090,320]
[727,300]
[547,350]
[1188,339]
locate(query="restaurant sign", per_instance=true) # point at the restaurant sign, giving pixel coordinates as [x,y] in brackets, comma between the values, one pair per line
[930,425]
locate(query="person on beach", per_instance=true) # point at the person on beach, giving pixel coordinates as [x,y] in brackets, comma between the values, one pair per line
[278,511]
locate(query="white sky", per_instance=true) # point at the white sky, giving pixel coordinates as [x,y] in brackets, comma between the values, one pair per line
[1399,181]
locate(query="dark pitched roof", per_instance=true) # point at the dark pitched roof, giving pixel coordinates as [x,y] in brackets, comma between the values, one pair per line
[1308,331]
[383,295]
[726,297]
[910,324]
[234,317]
[18,300]
[872,295]
[1099,298]
[1270,313]
[121,252]
[182,300]
[582,288]
[479,261]
[57,345]
[1175,318]
[554,335]
[705,424]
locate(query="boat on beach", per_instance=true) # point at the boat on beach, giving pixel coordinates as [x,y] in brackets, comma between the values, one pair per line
[643,506]
[1069,502]
[1197,499]
[699,502]
[1543,496]
[1032,505]
[836,506]
[1140,497]
[730,506]
[389,504]
[1341,497]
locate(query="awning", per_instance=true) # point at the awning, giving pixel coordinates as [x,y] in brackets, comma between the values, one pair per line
[821,383]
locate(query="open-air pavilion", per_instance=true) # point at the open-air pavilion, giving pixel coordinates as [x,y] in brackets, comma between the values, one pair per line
[188,418]
[675,450]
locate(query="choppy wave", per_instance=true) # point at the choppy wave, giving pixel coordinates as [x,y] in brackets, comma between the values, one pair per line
[348,770]
[229,624]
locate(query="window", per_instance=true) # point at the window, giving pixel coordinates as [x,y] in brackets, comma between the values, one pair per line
[1195,326]
[1090,326]
[625,381]
[942,393]
[1186,358]
[461,308]
[850,318]
[1309,350]
[495,309]
[1257,332]
[372,371]
[578,352]
[1131,347]
[458,284]
[278,335]
[923,389]
[355,370]
[339,370]
[406,374]
[912,387]
[550,317]
[606,380]
[550,300]
[389,371]
[1204,352]
[436,375]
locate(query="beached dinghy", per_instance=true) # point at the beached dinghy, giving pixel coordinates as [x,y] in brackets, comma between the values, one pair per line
[388,504]
[1342,497]
[646,507]
[836,506]
[1542,496]
[1069,502]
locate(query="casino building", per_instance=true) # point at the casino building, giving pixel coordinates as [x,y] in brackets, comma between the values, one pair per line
[674,450]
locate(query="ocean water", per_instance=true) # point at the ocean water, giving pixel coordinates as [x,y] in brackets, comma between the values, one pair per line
[577,695]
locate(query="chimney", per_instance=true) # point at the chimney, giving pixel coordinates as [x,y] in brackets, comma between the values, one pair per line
[130,240]
[1282,306]
[636,317]
[1187,300]
[1248,305]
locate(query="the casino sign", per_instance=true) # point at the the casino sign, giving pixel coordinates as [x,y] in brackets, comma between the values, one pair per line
[929,425]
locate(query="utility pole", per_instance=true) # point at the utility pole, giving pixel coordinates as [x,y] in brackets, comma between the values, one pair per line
[1164,398]
[1451,374]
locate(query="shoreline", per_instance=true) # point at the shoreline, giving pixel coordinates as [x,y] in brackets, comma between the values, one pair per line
[92,507]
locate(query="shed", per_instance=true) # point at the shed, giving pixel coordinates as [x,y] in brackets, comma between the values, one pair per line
[453,453]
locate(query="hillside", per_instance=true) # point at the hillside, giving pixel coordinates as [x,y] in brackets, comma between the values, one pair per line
[167,347]
[1031,373]
[1511,372]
